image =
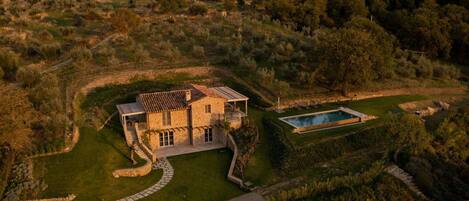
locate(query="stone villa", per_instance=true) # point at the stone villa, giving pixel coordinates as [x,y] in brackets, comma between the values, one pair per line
[182,121]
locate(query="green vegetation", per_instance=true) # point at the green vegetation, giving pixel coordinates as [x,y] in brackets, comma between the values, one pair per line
[439,162]
[199,176]
[375,106]
[87,170]
[369,184]
[262,168]
[89,166]
[276,48]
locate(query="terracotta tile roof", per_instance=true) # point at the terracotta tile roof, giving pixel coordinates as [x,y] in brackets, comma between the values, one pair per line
[200,91]
[174,100]
[163,101]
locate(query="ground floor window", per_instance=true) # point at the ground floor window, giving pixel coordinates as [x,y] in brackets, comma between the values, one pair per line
[167,139]
[208,135]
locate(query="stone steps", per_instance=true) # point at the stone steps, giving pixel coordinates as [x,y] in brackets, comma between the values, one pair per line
[405,177]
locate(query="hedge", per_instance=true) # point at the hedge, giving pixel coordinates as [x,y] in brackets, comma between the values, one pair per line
[287,157]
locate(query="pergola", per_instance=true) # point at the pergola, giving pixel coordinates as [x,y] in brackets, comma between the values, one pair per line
[231,96]
[129,109]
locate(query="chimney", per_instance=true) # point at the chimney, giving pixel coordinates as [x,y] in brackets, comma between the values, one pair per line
[188,95]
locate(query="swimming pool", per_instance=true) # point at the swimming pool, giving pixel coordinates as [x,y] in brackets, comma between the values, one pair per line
[325,119]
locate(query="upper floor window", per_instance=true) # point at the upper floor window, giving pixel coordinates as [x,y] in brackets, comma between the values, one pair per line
[208,108]
[166,118]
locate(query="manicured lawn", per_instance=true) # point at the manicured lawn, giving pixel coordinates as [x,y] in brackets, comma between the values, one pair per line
[87,170]
[260,169]
[199,177]
[375,106]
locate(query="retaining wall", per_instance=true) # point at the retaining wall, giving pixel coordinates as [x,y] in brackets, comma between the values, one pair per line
[234,148]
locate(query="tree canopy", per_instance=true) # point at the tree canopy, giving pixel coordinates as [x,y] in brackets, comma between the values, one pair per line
[349,58]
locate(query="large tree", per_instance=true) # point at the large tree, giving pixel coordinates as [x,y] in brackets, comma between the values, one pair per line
[407,131]
[349,59]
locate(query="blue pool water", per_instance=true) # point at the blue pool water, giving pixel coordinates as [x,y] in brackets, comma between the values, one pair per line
[316,119]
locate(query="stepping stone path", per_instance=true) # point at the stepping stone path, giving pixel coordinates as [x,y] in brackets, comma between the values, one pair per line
[168,173]
[408,180]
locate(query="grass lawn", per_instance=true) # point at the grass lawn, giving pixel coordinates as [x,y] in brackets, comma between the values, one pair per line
[260,170]
[87,170]
[198,177]
[375,106]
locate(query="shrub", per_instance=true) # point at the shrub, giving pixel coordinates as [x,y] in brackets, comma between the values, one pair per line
[248,64]
[246,138]
[124,20]
[9,62]
[50,50]
[290,158]
[172,5]
[316,187]
[198,51]
[229,5]
[28,76]
[198,8]
[81,54]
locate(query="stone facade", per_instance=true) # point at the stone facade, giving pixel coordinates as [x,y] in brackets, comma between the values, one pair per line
[190,119]
[188,125]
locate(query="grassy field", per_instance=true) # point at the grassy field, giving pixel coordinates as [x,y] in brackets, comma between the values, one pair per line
[87,170]
[198,177]
[260,170]
[375,106]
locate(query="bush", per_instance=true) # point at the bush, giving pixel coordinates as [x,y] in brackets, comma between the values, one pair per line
[124,21]
[50,50]
[9,62]
[315,188]
[198,8]
[28,76]
[285,156]
[198,51]
[246,138]
[81,54]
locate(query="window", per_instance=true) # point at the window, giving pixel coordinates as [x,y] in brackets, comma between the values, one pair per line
[167,139]
[167,118]
[208,135]
[208,108]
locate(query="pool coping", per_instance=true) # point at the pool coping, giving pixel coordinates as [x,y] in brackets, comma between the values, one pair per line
[363,118]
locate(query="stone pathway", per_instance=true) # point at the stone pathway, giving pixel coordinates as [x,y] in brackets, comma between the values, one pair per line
[168,173]
[253,196]
[408,180]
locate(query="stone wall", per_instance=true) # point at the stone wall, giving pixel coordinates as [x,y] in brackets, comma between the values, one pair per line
[200,118]
[179,118]
[234,148]
[329,98]
[198,135]
[68,198]
[181,138]
[328,125]
[137,171]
